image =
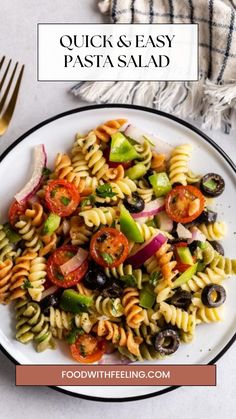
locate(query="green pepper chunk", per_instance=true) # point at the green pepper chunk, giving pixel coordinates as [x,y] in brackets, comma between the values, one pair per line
[74,302]
[147,297]
[136,172]
[160,183]
[186,276]
[121,149]
[129,227]
[185,255]
[51,224]
[12,236]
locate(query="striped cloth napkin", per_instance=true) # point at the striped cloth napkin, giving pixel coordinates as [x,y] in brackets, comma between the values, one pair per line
[213,97]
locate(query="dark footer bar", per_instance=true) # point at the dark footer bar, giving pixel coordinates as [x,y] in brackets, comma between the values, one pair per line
[116,375]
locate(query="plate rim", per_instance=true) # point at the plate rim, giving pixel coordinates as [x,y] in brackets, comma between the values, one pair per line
[143,109]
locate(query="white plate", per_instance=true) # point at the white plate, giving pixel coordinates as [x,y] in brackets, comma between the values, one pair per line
[57,134]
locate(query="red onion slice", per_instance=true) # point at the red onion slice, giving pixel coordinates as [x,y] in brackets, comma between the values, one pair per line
[40,159]
[183,232]
[146,250]
[196,235]
[75,262]
[152,208]
[49,291]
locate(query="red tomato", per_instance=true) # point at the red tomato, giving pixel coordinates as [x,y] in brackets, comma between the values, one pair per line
[184,203]
[16,210]
[112,164]
[87,349]
[109,247]
[181,267]
[58,258]
[62,197]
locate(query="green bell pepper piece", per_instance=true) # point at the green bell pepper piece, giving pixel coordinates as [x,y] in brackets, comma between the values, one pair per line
[185,255]
[137,171]
[51,224]
[186,276]
[74,302]
[129,227]
[121,149]
[147,297]
[160,183]
[12,236]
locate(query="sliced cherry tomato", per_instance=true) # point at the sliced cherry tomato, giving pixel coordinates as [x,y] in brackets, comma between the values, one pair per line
[16,210]
[58,258]
[109,247]
[180,266]
[184,203]
[62,197]
[126,165]
[88,349]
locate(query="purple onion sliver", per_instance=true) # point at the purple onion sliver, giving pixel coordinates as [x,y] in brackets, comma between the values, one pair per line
[146,251]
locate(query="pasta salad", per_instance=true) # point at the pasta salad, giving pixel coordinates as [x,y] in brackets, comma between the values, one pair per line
[116,249]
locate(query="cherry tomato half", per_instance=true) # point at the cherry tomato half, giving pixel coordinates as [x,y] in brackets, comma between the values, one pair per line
[88,349]
[184,203]
[58,258]
[112,164]
[109,247]
[16,210]
[62,197]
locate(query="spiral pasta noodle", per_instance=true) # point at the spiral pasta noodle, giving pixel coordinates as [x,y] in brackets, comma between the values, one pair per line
[145,153]
[65,170]
[116,173]
[144,191]
[93,155]
[191,177]
[158,162]
[119,336]
[177,317]
[6,248]
[37,275]
[20,275]
[123,270]
[111,308]
[59,319]
[228,266]
[178,166]
[201,279]
[5,278]
[133,312]
[214,231]
[104,132]
[48,244]
[164,256]
[35,214]
[82,289]
[85,320]
[97,216]
[80,166]
[208,315]
[29,234]
[79,234]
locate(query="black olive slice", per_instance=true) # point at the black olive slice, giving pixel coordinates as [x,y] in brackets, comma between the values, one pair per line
[95,278]
[149,173]
[134,203]
[51,300]
[213,295]
[166,342]
[113,289]
[181,299]
[218,247]
[207,217]
[212,184]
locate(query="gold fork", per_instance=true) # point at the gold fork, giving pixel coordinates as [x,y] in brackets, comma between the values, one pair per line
[8,109]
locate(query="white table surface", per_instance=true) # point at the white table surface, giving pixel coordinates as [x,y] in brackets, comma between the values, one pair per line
[39,101]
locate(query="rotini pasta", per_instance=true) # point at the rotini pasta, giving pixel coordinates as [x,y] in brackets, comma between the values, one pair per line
[214,231]
[111,266]
[178,167]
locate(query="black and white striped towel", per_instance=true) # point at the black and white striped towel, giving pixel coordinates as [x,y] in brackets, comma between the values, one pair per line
[213,97]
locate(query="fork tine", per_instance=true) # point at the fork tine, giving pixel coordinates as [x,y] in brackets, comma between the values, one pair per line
[11,106]
[4,98]
[5,75]
[2,61]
